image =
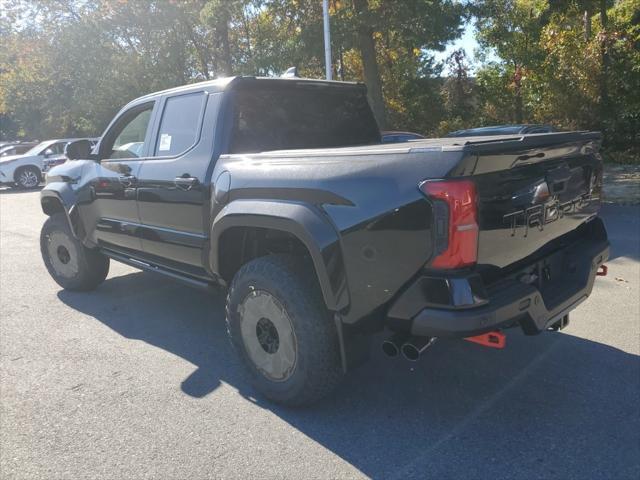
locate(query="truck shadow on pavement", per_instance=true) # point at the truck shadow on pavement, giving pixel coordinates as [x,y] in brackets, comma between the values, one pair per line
[553,405]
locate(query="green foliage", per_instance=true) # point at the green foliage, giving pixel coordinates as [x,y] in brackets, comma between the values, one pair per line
[623,125]
[565,61]
[511,28]
[569,82]
[494,82]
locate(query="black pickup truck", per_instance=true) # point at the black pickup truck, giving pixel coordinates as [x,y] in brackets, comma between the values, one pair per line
[280,191]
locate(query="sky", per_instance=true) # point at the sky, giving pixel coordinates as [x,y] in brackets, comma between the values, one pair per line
[468,42]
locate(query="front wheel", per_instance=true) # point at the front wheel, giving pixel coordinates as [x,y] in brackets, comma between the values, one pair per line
[72,265]
[28,177]
[279,325]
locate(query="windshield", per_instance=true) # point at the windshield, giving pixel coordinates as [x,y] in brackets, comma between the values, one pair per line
[276,118]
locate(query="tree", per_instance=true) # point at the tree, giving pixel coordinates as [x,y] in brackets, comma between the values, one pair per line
[392,38]
[367,47]
[458,89]
[73,62]
[512,29]
[493,84]
[571,81]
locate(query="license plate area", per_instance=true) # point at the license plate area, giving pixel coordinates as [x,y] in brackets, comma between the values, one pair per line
[558,277]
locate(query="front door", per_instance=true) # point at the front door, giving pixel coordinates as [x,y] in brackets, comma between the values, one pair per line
[114,206]
[173,190]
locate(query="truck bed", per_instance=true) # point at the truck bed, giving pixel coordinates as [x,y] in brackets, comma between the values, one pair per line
[506,169]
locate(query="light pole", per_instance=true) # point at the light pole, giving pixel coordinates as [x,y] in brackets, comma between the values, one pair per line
[327,38]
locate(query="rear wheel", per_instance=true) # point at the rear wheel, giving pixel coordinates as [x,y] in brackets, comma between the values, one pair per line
[72,265]
[279,325]
[28,177]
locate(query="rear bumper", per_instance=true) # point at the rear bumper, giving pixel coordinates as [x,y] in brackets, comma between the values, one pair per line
[566,279]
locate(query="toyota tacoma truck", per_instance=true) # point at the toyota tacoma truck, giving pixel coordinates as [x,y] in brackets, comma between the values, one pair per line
[281,192]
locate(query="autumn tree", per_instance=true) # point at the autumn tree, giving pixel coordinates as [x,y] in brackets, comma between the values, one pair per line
[570,82]
[511,28]
[458,89]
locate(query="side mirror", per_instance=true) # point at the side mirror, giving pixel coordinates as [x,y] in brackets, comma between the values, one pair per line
[47,153]
[78,150]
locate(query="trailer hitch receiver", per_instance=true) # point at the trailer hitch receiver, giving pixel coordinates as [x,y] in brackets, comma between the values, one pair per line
[491,339]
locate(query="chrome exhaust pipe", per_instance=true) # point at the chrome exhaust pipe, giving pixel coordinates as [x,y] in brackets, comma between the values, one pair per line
[391,346]
[413,348]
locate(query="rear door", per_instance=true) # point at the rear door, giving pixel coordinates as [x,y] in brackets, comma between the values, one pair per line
[174,187]
[113,208]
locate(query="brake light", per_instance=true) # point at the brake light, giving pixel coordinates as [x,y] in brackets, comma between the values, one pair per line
[458,222]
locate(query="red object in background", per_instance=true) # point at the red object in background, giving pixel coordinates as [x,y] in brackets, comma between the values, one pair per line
[602,271]
[490,339]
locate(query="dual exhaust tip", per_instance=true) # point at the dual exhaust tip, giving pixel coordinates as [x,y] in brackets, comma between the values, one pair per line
[410,346]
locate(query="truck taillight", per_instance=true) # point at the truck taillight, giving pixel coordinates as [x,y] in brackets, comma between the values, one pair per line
[455,222]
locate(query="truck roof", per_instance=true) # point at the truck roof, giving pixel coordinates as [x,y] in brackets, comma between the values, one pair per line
[226,83]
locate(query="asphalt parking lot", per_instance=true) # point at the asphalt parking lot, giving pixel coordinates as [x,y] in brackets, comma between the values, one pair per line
[137,380]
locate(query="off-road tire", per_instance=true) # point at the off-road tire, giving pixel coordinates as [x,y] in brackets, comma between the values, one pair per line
[84,268]
[292,282]
[28,177]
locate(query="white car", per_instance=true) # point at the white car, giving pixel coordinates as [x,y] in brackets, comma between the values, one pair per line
[25,171]
[16,148]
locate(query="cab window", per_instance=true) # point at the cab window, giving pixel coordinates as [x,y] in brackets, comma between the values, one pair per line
[126,138]
[180,124]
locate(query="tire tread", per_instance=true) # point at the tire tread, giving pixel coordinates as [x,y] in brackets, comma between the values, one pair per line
[93,265]
[296,277]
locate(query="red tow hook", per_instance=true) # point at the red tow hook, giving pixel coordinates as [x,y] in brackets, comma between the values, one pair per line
[602,271]
[491,339]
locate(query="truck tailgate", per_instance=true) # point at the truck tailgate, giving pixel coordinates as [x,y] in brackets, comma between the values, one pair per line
[532,190]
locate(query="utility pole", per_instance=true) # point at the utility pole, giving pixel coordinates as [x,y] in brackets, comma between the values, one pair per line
[327,39]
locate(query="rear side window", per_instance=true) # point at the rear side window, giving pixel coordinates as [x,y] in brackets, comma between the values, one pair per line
[180,124]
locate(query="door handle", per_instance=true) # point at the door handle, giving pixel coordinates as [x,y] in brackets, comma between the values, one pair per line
[127,180]
[185,182]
